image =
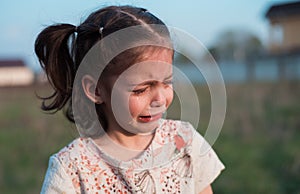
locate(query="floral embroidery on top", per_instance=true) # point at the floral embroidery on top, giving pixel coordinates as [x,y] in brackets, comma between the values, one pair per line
[179,142]
[144,182]
[165,167]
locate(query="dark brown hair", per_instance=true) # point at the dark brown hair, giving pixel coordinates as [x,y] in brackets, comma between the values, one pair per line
[61,48]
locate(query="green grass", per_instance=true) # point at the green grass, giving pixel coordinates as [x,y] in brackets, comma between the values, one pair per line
[259,142]
[27,138]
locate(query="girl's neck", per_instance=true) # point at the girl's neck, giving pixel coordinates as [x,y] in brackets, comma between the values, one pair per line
[138,142]
[124,146]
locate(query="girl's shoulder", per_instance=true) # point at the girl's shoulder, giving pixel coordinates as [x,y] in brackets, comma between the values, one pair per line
[75,151]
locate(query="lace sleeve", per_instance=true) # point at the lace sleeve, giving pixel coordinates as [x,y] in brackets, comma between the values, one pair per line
[207,166]
[56,179]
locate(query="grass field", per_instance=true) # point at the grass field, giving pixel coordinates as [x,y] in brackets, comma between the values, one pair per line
[259,143]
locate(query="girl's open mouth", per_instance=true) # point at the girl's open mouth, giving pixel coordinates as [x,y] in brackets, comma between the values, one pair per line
[149,118]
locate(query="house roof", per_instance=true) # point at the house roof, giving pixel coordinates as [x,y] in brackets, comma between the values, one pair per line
[284,10]
[12,63]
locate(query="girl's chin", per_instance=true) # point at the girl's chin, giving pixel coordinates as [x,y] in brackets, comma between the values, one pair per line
[143,128]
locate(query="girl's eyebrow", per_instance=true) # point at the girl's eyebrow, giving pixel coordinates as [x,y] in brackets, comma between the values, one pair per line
[150,82]
[169,77]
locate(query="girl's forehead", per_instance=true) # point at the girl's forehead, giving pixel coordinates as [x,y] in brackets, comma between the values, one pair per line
[152,64]
[161,54]
[150,70]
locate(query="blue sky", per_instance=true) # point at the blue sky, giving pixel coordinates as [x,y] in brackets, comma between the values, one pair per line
[21,21]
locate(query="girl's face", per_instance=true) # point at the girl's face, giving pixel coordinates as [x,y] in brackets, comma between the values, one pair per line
[141,94]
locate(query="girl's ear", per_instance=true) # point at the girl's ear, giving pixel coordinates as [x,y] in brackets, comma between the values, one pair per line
[89,85]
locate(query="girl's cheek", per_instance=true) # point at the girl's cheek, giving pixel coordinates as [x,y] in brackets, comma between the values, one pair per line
[135,105]
[170,96]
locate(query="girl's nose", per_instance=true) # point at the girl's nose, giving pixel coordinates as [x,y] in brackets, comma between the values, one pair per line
[158,98]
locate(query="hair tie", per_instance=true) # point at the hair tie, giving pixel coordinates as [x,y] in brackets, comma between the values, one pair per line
[101,30]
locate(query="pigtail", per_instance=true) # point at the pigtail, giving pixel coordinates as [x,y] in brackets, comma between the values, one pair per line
[53,48]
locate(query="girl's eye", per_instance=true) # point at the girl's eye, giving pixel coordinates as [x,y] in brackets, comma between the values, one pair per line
[139,91]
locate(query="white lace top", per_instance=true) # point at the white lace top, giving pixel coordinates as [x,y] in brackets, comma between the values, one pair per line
[173,163]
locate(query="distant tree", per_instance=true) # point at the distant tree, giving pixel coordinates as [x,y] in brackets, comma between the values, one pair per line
[236,45]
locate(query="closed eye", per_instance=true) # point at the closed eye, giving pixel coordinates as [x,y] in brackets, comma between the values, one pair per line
[139,91]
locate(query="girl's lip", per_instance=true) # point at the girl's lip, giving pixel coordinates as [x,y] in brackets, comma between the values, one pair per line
[150,118]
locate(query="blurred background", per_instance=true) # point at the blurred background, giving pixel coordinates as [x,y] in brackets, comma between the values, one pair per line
[256,45]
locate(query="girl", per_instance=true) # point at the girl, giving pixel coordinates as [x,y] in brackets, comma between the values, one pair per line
[134,150]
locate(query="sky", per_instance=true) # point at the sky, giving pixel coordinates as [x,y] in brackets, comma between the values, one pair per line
[21,21]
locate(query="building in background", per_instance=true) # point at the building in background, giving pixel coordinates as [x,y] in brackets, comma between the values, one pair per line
[15,73]
[284,31]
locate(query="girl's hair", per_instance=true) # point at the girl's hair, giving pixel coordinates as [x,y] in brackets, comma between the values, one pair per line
[61,48]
